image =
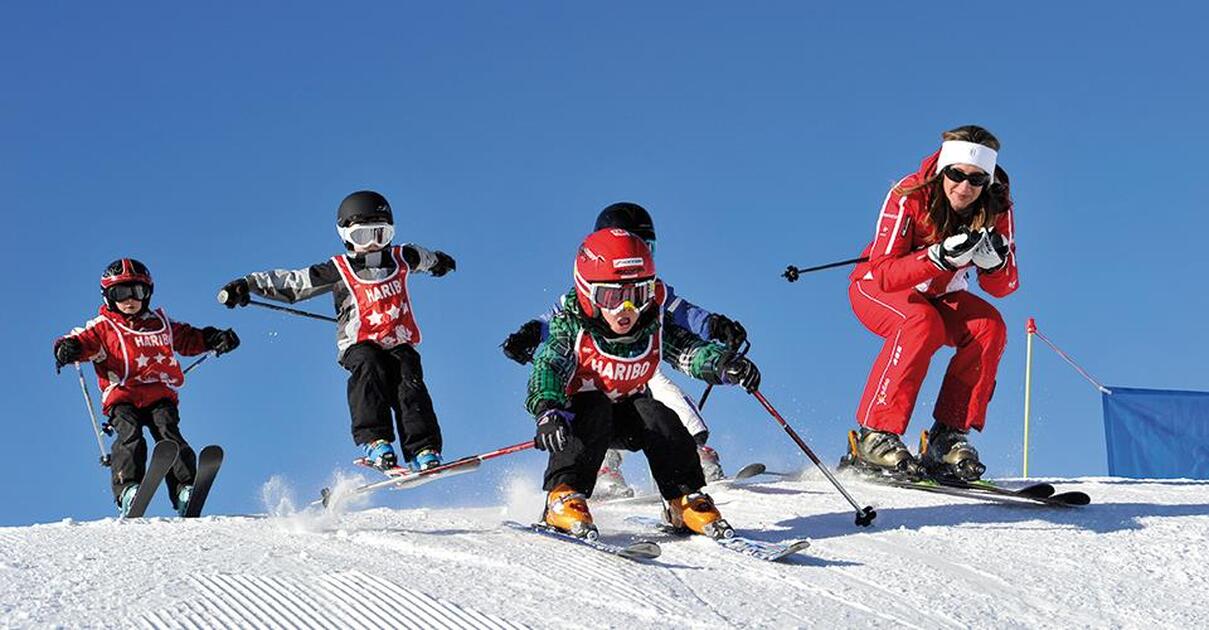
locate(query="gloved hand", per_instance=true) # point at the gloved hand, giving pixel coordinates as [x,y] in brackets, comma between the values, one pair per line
[956,251]
[741,371]
[726,330]
[992,251]
[220,341]
[67,350]
[553,430]
[520,345]
[236,293]
[445,263]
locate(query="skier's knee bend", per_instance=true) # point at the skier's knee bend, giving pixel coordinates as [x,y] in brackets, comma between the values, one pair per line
[926,325]
[409,361]
[125,422]
[164,414]
[991,330]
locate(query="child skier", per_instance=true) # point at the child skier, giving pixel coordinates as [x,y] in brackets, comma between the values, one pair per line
[377,331]
[520,346]
[133,351]
[589,386]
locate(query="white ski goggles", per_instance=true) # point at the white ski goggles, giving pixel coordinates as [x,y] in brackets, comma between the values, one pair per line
[616,297]
[367,235]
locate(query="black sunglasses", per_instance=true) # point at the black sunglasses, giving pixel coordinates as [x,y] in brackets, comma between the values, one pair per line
[976,179]
[123,292]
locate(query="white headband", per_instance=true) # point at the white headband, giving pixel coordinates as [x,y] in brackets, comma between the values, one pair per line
[962,152]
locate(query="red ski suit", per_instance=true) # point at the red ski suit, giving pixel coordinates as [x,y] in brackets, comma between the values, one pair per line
[916,307]
[134,356]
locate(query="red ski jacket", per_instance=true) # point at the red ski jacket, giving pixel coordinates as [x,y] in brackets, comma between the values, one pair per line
[134,357]
[898,258]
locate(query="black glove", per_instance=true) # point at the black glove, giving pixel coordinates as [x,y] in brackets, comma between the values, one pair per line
[992,251]
[956,251]
[445,263]
[220,341]
[726,330]
[235,293]
[553,430]
[67,350]
[741,371]
[520,345]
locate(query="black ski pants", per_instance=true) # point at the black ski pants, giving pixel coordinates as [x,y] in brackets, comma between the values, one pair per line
[637,423]
[384,381]
[128,455]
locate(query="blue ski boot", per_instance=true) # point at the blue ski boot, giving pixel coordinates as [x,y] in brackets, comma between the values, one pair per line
[426,459]
[126,498]
[182,499]
[381,455]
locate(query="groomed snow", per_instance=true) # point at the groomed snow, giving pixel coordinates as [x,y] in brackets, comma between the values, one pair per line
[1137,557]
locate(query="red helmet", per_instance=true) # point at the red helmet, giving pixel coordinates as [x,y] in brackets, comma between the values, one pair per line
[126,271]
[613,268]
[125,278]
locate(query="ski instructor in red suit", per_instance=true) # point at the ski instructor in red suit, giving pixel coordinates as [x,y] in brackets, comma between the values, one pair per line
[946,222]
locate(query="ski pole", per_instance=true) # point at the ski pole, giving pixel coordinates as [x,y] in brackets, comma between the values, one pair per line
[222,299]
[792,273]
[865,515]
[197,362]
[96,429]
[710,387]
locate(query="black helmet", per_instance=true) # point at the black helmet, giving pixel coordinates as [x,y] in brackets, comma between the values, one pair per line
[627,216]
[362,206]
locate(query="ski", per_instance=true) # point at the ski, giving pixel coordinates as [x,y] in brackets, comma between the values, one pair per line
[637,550]
[1035,490]
[762,550]
[400,477]
[209,460]
[1037,494]
[758,549]
[746,472]
[1041,494]
[163,456]
[754,469]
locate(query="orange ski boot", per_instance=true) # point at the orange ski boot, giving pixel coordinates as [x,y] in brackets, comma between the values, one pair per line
[697,513]
[567,511]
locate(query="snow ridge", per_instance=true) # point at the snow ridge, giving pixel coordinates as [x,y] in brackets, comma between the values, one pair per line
[1136,557]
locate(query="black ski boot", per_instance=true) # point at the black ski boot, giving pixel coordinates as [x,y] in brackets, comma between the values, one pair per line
[880,452]
[945,452]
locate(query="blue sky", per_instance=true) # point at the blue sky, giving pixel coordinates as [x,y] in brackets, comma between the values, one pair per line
[213,141]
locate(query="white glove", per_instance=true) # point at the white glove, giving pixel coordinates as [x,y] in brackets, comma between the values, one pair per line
[956,251]
[991,252]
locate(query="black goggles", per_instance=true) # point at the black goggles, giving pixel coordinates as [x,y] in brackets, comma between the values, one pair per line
[123,292]
[976,180]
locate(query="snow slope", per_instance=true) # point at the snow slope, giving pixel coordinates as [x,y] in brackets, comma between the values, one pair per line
[1136,558]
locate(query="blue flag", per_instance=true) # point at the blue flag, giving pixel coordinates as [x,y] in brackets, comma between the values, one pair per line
[1156,433]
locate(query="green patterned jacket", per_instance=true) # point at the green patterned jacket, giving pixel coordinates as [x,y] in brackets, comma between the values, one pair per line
[554,363]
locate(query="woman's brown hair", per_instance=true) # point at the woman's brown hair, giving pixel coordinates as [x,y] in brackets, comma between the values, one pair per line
[983,212]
